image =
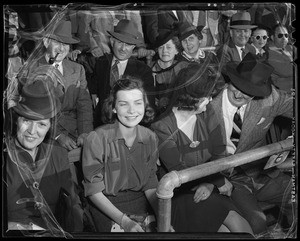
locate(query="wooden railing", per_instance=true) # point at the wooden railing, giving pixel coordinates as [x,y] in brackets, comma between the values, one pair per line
[174,179]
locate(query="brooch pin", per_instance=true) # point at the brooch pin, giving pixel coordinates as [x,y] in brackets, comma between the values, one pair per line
[194,144]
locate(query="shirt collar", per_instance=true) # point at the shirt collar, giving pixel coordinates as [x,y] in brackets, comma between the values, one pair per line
[141,135]
[120,61]
[200,54]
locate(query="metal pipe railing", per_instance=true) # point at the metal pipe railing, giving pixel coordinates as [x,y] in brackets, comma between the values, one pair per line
[174,179]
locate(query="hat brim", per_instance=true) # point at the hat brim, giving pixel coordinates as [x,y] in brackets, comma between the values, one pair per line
[246,86]
[65,40]
[26,112]
[243,26]
[125,39]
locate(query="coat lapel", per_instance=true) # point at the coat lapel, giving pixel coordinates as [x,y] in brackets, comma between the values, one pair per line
[252,116]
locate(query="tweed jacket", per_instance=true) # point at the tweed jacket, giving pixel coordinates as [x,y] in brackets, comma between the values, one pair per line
[259,115]
[100,84]
[77,108]
[228,52]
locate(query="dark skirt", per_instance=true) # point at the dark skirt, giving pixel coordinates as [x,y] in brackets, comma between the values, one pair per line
[204,216]
[129,202]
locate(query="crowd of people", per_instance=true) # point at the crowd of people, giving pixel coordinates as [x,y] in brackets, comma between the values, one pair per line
[141,95]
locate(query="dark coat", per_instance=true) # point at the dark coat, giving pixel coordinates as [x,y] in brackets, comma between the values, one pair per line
[100,84]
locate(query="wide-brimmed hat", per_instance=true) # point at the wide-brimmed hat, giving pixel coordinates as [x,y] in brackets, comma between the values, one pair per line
[63,33]
[164,35]
[127,32]
[241,20]
[251,76]
[186,29]
[38,101]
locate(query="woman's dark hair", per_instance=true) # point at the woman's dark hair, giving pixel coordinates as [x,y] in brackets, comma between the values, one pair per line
[193,83]
[125,83]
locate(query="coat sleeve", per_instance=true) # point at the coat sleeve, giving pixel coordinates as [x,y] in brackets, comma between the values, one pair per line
[84,106]
[168,151]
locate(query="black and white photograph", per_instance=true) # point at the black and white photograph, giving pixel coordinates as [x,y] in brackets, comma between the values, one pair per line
[171,120]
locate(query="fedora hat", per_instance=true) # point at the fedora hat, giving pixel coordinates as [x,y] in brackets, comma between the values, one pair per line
[127,32]
[62,33]
[186,29]
[241,20]
[38,101]
[251,76]
[164,35]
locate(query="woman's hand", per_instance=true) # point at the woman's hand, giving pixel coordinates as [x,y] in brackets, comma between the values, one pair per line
[129,225]
[203,191]
[226,189]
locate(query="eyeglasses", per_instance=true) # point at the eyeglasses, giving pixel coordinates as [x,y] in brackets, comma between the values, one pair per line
[258,37]
[280,35]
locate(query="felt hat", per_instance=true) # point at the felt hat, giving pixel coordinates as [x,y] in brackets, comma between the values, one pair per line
[38,101]
[251,76]
[62,33]
[241,20]
[164,35]
[186,29]
[127,32]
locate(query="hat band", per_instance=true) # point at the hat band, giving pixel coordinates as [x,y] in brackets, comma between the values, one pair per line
[240,22]
[126,33]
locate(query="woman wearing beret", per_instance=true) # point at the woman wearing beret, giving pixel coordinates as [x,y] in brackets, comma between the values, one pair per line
[184,142]
[36,168]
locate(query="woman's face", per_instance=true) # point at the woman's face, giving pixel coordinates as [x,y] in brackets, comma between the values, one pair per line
[203,102]
[259,38]
[31,133]
[130,107]
[167,51]
[191,44]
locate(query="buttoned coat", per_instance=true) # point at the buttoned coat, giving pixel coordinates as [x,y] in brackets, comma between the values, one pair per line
[77,108]
[259,115]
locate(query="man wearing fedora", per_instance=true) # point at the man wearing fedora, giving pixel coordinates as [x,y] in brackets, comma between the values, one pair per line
[249,93]
[76,119]
[110,67]
[237,46]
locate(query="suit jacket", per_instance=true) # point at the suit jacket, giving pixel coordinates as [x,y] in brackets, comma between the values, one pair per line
[284,70]
[162,19]
[101,80]
[77,108]
[258,117]
[228,52]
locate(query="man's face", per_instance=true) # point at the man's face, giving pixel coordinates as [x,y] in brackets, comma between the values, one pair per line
[280,37]
[236,97]
[121,50]
[240,36]
[54,47]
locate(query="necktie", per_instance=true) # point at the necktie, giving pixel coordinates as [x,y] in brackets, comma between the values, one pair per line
[114,74]
[237,127]
[243,52]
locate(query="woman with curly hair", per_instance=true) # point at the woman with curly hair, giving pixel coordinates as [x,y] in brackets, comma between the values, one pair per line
[119,162]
